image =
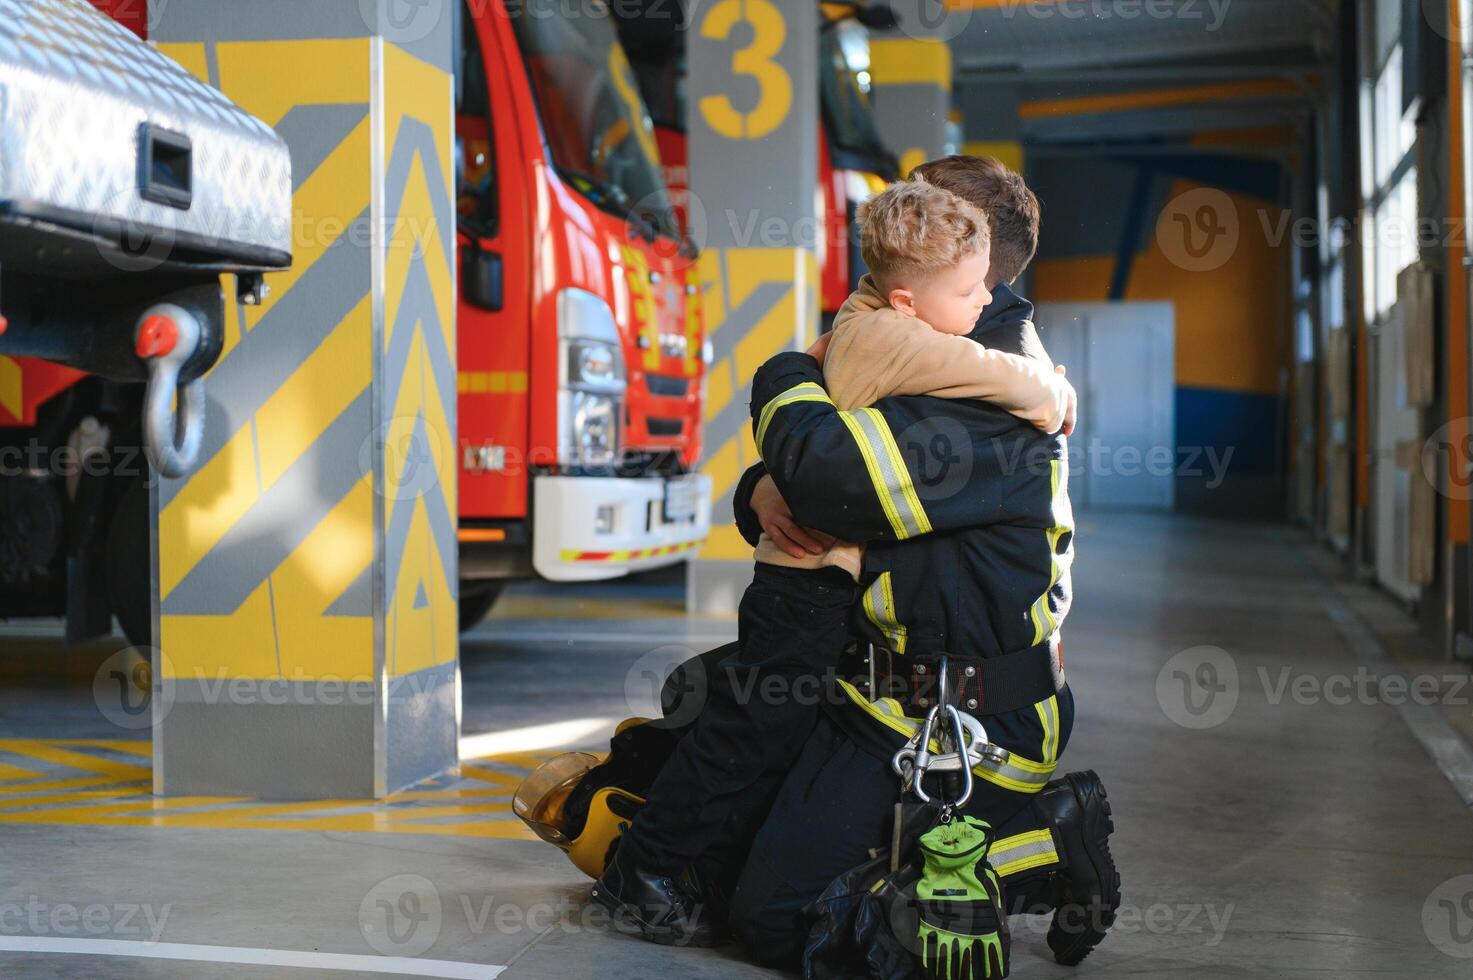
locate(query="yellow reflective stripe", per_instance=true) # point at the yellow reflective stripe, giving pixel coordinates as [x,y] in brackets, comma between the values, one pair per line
[1048,716]
[879,608]
[892,480]
[1023,852]
[876,476]
[1019,774]
[808,391]
[906,484]
[1041,613]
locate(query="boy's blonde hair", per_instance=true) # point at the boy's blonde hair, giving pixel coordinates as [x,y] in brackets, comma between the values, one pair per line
[915,229]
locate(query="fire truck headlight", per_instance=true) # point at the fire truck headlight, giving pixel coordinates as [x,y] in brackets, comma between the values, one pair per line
[592,381]
[593,364]
[593,436]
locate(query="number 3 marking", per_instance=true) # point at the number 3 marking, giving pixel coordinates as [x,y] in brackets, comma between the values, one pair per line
[754,61]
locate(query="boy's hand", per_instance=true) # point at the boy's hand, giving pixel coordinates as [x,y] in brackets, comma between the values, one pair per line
[777,520]
[1071,401]
[818,352]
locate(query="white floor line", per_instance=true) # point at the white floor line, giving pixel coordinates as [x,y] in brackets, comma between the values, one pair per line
[404,966]
[1443,743]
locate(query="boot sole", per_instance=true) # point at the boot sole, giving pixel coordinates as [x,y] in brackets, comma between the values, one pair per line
[627,920]
[1071,949]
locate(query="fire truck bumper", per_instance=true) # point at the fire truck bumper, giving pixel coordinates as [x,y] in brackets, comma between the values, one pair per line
[595,528]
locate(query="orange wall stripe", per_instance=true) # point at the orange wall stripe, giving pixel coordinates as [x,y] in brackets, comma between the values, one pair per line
[1153,99]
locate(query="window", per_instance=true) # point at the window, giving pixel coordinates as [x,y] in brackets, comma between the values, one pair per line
[477,193]
[1388,175]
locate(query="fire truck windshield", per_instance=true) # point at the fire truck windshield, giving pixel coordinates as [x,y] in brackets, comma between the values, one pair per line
[846,109]
[596,125]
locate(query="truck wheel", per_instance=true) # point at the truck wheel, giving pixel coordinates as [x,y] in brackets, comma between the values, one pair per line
[476,601]
[128,574]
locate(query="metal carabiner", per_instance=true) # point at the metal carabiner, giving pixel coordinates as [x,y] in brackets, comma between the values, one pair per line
[959,737]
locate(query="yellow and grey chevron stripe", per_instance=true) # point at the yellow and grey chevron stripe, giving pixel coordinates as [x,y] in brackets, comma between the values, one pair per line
[1019,773]
[1023,852]
[1041,612]
[264,549]
[755,302]
[418,407]
[879,608]
[267,550]
[100,782]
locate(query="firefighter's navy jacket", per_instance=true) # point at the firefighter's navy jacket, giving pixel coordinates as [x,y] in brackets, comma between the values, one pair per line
[965,511]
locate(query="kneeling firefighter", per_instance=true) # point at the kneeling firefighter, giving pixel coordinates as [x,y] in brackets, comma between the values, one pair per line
[970,538]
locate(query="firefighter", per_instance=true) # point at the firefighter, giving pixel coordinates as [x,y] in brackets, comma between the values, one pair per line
[970,534]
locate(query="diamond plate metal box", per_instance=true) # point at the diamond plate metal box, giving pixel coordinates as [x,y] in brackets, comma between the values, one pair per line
[108,146]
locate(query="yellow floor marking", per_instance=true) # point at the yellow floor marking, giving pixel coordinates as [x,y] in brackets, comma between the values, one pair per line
[121,795]
[490,776]
[78,783]
[9,773]
[48,752]
[131,746]
[29,802]
[525,761]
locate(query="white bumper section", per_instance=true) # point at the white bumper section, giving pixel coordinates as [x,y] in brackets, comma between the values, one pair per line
[568,544]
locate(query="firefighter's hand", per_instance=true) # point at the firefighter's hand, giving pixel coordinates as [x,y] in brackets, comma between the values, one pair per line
[820,348]
[777,520]
[1071,402]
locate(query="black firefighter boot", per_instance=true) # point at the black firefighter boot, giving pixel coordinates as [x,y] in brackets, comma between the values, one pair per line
[1083,890]
[658,907]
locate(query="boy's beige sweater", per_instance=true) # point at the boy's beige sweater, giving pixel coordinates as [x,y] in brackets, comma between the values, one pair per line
[877,351]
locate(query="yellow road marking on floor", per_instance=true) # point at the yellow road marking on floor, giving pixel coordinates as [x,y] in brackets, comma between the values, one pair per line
[48,751]
[47,785]
[121,794]
[9,773]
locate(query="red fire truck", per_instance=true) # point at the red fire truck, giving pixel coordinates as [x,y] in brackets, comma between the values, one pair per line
[581,368]
[581,365]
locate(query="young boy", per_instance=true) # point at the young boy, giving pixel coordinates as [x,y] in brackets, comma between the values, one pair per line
[901,333]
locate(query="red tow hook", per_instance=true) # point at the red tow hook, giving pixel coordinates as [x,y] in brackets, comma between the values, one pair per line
[157,337]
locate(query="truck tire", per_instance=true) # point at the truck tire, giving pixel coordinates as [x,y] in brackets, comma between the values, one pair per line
[476,600]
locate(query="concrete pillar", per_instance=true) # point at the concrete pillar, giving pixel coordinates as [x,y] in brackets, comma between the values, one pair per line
[306,571]
[910,78]
[753,125]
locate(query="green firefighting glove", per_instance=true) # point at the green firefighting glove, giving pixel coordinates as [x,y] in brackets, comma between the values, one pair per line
[964,930]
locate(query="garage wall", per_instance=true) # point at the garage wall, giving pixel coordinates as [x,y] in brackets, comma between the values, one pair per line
[1115,229]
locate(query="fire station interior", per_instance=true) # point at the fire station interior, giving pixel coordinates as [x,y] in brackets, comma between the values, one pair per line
[398,457]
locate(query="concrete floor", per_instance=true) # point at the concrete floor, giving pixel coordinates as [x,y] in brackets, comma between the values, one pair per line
[1278,829]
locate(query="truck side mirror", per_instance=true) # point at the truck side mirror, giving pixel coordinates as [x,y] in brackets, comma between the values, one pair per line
[481,280]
